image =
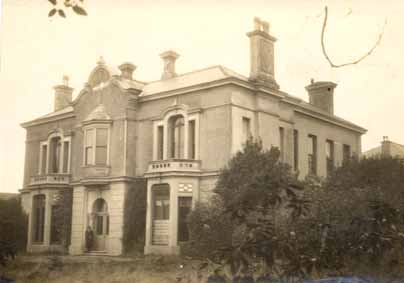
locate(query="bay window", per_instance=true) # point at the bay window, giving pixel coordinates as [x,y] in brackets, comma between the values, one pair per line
[96,146]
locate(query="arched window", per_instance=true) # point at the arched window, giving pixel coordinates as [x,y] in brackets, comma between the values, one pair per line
[55,151]
[38,218]
[176,136]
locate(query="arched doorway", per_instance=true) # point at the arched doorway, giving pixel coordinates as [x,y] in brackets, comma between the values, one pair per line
[100,224]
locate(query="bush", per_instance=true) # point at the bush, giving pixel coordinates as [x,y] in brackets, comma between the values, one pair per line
[13,229]
[208,230]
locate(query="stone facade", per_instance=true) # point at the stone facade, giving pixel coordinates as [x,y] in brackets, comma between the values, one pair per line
[176,133]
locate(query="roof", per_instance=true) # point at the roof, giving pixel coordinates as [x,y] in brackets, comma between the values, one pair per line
[210,74]
[200,77]
[62,113]
[396,150]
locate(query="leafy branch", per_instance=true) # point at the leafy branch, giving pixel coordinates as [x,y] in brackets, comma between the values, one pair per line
[67,4]
[349,63]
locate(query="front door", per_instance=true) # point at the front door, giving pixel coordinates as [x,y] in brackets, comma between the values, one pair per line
[100,224]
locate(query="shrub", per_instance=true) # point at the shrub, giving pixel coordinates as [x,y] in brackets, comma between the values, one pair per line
[13,229]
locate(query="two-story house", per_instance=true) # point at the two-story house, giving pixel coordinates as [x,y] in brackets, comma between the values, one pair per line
[177,133]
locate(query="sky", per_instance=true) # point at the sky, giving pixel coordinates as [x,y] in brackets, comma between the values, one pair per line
[36,51]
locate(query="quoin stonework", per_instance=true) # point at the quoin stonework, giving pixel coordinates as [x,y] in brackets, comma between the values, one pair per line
[176,134]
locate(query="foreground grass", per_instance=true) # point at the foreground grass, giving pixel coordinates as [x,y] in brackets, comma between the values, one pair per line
[84,269]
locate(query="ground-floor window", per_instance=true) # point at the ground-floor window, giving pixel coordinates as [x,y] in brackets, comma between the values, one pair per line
[56,224]
[161,196]
[184,208]
[38,218]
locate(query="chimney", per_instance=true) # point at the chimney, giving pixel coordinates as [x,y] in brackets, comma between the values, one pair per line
[386,147]
[63,94]
[127,70]
[321,95]
[169,58]
[262,61]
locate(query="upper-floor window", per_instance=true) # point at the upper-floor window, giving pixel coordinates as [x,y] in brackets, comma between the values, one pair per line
[96,146]
[312,155]
[346,153]
[329,152]
[160,142]
[282,143]
[176,136]
[191,139]
[295,149]
[246,124]
[54,155]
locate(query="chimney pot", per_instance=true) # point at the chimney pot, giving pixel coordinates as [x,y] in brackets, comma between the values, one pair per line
[63,94]
[321,95]
[127,70]
[169,58]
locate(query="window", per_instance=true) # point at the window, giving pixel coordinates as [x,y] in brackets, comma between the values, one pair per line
[38,218]
[44,158]
[56,224]
[246,129]
[346,153]
[96,146]
[55,150]
[176,137]
[89,147]
[54,155]
[101,146]
[282,143]
[312,155]
[160,142]
[161,202]
[184,208]
[295,149]
[329,152]
[66,148]
[191,139]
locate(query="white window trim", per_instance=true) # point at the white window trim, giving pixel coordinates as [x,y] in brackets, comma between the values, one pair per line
[95,127]
[61,159]
[165,123]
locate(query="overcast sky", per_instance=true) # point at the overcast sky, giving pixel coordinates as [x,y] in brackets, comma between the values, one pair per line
[36,51]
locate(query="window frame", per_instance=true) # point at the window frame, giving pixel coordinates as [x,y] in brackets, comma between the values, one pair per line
[313,169]
[93,145]
[45,169]
[330,159]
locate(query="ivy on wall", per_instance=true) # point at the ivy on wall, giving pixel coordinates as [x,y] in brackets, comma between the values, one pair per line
[135,217]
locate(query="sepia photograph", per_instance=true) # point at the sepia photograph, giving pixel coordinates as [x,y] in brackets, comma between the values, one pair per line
[194,141]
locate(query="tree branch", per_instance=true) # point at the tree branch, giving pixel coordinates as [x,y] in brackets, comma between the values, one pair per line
[349,63]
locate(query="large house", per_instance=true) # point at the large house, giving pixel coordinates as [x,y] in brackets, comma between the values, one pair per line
[387,148]
[175,133]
